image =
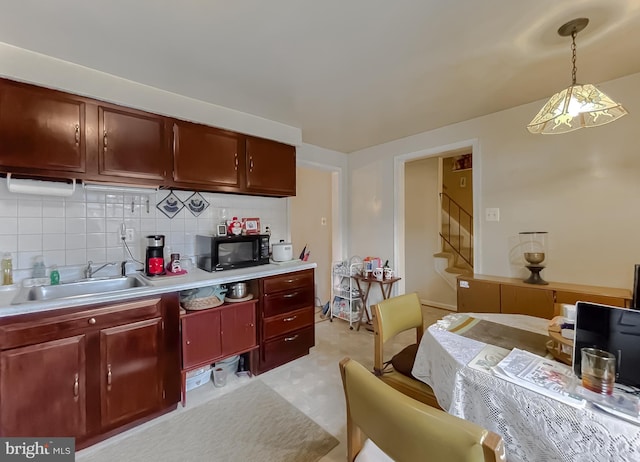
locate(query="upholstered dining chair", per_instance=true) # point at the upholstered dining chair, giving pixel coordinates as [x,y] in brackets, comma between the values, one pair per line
[391,317]
[401,429]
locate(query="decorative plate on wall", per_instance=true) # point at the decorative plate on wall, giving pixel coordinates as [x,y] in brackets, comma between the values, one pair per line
[170,205]
[196,204]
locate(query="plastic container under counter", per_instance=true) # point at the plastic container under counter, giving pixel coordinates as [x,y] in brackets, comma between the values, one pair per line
[198,377]
[230,364]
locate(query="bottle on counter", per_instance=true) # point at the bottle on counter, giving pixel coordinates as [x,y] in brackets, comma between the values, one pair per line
[54,275]
[38,270]
[7,269]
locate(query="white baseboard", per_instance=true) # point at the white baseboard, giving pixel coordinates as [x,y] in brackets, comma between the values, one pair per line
[444,306]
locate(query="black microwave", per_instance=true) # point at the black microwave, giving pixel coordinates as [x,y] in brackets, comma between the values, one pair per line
[230,252]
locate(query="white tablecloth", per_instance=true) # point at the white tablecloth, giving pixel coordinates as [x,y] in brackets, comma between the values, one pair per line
[535,428]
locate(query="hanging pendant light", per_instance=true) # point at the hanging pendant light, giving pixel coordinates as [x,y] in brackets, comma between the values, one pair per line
[578,105]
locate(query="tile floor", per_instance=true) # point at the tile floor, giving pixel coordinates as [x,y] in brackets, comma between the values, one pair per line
[311,383]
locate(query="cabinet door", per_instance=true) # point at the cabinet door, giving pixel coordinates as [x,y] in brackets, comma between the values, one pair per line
[43,389]
[206,157]
[41,130]
[201,338]
[132,145]
[131,381]
[271,167]
[478,296]
[238,328]
[523,300]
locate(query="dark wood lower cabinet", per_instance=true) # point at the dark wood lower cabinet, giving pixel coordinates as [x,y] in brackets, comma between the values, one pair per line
[87,372]
[43,389]
[131,380]
[286,318]
[217,333]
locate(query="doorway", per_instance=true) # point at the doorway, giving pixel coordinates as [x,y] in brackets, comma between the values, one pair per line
[312,218]
[419,180]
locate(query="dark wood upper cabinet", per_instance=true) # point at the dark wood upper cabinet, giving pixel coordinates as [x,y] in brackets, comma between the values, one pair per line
[52,134]
[41,130]
[132,145]
[270,167]
[206,157]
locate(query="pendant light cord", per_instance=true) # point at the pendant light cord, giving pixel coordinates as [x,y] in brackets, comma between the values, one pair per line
[573,58]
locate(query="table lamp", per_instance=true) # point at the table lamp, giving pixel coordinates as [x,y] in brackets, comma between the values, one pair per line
[534,248]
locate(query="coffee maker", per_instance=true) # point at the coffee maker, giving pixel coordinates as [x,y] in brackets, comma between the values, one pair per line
[154,260]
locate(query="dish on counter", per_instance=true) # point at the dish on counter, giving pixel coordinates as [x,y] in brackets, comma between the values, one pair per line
[236,300]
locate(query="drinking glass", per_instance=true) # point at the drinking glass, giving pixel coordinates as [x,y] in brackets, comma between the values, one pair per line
[598,370]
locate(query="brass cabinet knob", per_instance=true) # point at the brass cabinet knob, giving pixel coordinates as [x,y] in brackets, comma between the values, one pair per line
[92,321]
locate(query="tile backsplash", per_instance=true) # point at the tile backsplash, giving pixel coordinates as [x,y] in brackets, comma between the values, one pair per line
[85,226]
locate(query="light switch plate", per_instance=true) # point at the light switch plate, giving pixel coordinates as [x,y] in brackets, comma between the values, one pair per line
[492,214]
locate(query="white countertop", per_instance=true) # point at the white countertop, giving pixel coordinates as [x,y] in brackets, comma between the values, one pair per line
[194,279]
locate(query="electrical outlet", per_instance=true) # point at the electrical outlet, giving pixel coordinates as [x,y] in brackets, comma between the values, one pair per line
[323,221]
[129,235]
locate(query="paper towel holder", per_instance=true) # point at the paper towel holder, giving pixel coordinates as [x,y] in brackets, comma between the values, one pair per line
[39,187]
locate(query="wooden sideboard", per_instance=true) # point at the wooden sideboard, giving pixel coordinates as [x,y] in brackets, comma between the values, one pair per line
[494,294]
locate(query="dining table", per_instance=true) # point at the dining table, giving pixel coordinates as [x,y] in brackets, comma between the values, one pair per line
[534,426]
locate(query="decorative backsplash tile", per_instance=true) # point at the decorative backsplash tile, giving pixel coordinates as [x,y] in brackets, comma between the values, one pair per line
[69,231]
[196,204]
[170,205]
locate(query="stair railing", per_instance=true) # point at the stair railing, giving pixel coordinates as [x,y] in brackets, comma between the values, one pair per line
[455,210]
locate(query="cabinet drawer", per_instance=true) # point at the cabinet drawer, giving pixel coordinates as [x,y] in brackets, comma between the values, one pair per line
[287,347]
[32,329]
[278,325]
[288,282]
[573,297]
[285,302]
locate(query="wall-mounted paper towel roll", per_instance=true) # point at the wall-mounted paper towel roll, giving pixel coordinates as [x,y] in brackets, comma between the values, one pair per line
[42,188]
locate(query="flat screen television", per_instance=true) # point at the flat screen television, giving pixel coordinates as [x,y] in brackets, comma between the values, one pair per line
[610,328]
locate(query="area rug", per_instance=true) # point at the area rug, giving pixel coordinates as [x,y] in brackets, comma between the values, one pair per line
[252,423]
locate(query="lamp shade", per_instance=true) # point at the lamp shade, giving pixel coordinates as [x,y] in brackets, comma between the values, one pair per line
[575,107]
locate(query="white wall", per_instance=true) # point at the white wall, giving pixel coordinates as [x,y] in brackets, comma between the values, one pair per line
[336,162]
[581,187]
[312,203]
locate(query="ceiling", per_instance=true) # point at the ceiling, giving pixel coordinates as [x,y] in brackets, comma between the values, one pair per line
[349,73]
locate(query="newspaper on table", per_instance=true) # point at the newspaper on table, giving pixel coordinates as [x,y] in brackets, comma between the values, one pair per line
[488,358]
[542,375]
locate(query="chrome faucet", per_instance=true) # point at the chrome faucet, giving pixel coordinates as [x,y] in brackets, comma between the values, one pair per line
[89,271]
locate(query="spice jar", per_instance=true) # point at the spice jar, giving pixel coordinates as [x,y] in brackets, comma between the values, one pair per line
[174,264]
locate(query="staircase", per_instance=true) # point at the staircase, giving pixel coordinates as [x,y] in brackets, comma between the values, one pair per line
[456,256]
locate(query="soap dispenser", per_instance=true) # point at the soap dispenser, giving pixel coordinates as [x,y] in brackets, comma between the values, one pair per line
[38,270]
[7,269]
[54,275]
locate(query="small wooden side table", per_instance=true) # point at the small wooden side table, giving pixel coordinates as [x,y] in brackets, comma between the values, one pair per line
[386,285]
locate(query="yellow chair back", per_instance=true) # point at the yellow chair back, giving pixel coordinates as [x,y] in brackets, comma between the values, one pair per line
[408,430]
